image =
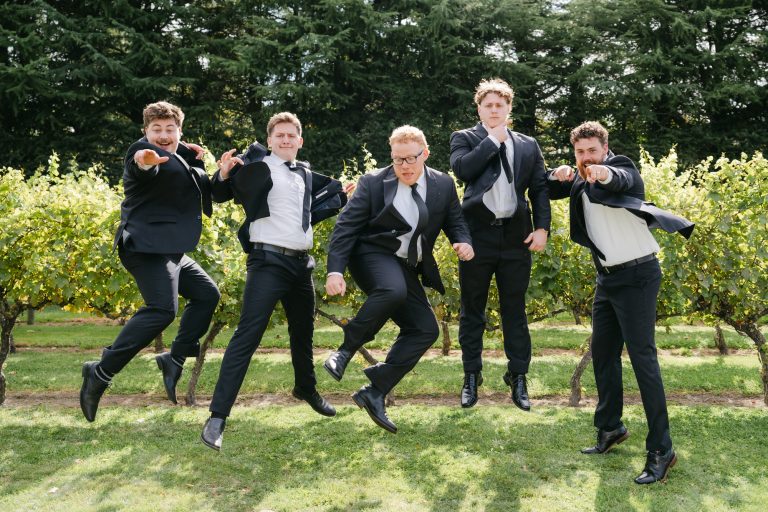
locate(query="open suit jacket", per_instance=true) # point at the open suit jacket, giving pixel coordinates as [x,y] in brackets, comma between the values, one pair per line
[371,223]
[251,187]
[625,190]
[163,207]
[475,161]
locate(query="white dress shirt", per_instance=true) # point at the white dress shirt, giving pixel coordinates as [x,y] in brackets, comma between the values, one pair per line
[286,206]
[406,206]
[619,234]
[501,198]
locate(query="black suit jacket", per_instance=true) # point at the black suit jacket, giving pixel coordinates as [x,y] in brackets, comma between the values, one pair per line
[475,160]
[625,190]
[371,223]
[163,207]
[250,184]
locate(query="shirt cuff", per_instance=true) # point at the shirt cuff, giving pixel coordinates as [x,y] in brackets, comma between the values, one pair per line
[608,179]
[145,167]
[335,274]
[495,140]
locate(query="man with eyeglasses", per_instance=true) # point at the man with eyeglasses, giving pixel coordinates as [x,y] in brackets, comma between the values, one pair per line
[498,165]
[385,235]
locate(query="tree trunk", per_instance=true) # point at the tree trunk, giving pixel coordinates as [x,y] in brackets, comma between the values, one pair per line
[12,345]
[753,331]
[30,316]
[191,398]
[159,347]
[6,330]
[578,372]
[720,341]
[446,338]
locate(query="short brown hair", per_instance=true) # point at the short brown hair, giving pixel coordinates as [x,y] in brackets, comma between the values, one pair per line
[407,133]
[496,86]
[588,130]
[283,117]
[162,110]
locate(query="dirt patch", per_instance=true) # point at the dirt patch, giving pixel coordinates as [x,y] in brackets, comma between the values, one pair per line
[69,399]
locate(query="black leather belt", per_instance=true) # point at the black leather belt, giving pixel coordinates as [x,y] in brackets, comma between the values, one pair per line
[627,264]
[501,222]
[280,250]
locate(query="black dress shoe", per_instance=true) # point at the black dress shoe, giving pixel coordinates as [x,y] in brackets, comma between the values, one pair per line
[469,390]
[213,433]
[317,402]
[171,374]
[372,400]
[91,390]
[657,466]
[516,381]
[607,439]
[337,362]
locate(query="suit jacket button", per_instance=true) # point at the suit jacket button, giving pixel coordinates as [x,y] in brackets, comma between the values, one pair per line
[199,217]
[394,231]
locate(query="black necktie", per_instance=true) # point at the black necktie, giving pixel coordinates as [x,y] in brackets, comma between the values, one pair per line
[307,195]
[505,162]
[413,251]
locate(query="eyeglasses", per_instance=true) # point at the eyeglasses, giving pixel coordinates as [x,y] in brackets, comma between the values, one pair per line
[407,159]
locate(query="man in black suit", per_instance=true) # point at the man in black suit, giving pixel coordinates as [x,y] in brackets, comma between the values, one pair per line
[609,215]
[166,193]
[498,166]
[386,235]
[276,192]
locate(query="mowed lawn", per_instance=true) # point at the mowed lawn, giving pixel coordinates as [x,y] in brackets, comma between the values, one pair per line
[443,459]
[143,453]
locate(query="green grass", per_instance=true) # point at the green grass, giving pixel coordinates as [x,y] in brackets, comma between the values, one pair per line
[443,459]
[55,328]
[50,371]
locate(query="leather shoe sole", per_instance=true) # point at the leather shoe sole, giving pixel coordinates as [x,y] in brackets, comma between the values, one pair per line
[363,404]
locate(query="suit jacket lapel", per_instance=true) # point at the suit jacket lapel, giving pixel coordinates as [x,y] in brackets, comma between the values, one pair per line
[517,147]
[432,192]
[390,190]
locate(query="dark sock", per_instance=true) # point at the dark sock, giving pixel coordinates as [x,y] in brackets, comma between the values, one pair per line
[219,415]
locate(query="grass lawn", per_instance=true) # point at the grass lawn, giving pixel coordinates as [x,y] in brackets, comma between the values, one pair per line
[144,454]
[443,459]
[50,371]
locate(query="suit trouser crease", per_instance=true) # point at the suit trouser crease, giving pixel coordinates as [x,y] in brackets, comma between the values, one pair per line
[394,291]
[624,312]
[161,278]
[271,278]
[499,251]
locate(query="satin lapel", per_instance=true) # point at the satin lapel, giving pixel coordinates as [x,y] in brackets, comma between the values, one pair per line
[432,192]
[390,189]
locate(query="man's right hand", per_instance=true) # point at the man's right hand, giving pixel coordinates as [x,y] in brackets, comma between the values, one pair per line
[500,132]
[564,173]
[148,158]
[335,285]
[227,162]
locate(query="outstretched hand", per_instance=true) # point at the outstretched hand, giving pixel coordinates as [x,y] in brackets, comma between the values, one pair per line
[148,157]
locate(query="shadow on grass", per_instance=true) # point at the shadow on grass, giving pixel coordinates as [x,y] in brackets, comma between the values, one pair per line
[288,458]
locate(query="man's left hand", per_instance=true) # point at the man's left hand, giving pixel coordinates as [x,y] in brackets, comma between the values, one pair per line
[464,251]
[199,150]
[537,240]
